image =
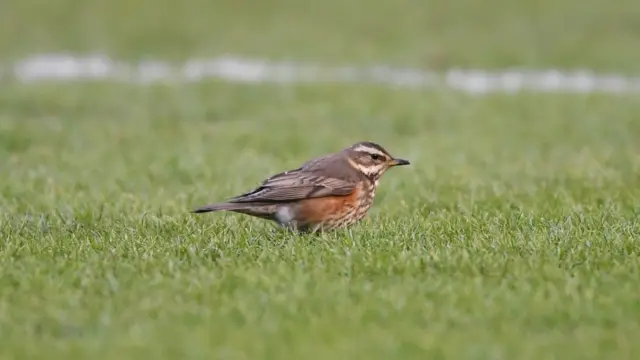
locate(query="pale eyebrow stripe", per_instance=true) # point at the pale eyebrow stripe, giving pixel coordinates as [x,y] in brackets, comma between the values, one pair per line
[367,149]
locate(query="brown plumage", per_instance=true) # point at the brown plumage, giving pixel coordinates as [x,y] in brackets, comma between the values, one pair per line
[328,192]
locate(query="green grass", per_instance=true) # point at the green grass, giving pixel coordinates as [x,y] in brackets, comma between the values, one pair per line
[597,34]
[513,234]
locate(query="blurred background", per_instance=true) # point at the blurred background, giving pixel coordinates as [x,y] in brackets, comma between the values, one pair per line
[157,89]
[435,34]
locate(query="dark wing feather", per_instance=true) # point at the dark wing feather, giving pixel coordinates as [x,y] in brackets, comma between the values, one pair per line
[294,185]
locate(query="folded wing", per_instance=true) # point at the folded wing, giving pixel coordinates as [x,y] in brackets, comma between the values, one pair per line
[295,185]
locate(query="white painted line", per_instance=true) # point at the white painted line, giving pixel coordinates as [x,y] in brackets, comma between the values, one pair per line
[68,67]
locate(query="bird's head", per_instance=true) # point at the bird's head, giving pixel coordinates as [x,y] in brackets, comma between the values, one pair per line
[371,159]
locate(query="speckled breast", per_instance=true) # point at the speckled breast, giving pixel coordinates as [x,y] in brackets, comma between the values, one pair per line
[364,201]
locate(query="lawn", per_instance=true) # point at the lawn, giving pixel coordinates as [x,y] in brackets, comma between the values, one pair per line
[440,34]
[512,235]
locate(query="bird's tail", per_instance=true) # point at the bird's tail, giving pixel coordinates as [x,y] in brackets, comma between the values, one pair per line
[220,207]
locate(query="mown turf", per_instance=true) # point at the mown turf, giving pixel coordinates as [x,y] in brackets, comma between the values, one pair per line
[513,234]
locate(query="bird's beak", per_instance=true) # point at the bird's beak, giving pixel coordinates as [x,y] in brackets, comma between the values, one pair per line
[397,162]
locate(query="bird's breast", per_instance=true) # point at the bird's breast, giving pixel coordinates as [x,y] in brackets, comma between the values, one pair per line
[366,194]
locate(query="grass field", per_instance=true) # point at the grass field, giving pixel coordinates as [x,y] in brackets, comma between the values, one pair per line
[595,34]
[513,234]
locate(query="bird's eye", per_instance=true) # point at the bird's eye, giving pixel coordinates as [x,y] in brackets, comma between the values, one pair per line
[375,156]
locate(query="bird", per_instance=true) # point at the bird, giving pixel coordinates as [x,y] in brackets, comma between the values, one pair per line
[329,192]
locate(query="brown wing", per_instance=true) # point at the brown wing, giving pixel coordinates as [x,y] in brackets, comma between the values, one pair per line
[295,185]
